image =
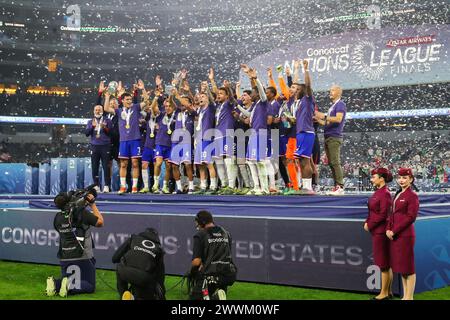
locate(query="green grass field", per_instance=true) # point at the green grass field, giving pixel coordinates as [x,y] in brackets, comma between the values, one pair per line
[25,281]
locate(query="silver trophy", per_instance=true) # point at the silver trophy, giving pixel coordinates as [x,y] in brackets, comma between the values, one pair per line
[112,87]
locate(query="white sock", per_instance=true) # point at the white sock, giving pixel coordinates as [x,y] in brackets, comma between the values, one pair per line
[156,181]
[135,182]
[145,177]
[221,172]
[179,187]
[203,184]
[191,185]
[123,181]
[231,171]
[299,176]
[262,171]
[244,173]
[213,184]
[254,173]
[270,173]
[276,166]
[307,183]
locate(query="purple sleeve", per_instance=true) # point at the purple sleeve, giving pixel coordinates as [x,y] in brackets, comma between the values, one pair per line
[88,130]
[340,107]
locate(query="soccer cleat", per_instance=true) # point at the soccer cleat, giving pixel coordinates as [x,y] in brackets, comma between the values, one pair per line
[243,191]
[274,191]
[64,287]
[127,295]
[165,190]
[122,190]
[106,189]
[337,191]
[220,294]
[211,192]
[190,191]
[155,189]
[144,190]
[257,192]
[50,290]
[227,191]
[97,188]
[201,191]
[293,192]
[285,191]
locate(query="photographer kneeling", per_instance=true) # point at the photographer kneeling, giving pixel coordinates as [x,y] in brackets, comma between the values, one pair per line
[140,270]
[75,252]
[212,268]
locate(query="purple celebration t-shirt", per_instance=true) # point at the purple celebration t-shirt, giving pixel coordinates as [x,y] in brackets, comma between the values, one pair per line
[224,117]
[335,129]
[258,117]
[133,114]
[304,115]
[185,121]
[165,125]
[149,139]
[205,121]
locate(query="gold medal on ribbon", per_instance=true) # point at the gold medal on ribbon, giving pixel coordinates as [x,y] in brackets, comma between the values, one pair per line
[169,132]
[152,135]
[127,126]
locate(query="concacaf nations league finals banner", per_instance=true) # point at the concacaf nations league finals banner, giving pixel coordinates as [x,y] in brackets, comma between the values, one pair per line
[366,58]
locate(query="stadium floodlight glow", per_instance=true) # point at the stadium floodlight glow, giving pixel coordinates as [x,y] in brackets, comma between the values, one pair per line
[350,115]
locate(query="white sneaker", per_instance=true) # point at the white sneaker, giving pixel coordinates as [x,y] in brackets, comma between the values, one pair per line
[105,189]
[50,290]
[221,295]
[97,188]
[64,287]
[337,191]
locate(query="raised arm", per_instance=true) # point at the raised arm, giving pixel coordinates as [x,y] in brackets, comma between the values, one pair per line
[253,77]
[106,106]
[307,78]
[238,89]
[213,82]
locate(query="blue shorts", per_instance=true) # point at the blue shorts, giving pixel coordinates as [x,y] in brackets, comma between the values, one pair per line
[283,144]
[148,155]
[130,149]
[305,144]
[204,151]
[257,147]
[162,152]
[181,153]
[224,146]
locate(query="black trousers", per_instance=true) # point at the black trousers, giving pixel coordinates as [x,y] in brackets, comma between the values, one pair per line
[142,284]
[101,152]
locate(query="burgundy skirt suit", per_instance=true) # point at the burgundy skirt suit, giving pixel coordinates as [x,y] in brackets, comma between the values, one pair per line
[380,204]
[404,212]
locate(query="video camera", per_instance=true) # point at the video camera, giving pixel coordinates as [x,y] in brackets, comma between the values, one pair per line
[75,198]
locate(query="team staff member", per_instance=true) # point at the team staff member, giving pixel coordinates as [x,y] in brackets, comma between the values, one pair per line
[334,123]
[379,207]
[211,257]
[400,230]
[99,129]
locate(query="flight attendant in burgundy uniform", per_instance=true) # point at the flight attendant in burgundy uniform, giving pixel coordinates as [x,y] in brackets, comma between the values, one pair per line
[380,204]
[400,230]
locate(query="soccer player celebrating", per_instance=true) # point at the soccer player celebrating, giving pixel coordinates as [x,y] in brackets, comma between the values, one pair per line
[166,126]
[130,136]
[256,152]
[305,129]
